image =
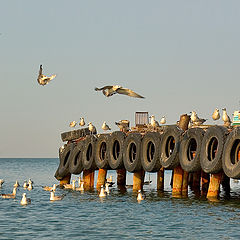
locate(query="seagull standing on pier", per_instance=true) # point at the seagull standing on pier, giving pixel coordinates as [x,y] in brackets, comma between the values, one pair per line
[72,124]
[42,79]
[216,114]
[105,127]
[91,128]
[81,123]
[153,122]
[163,120]
[108,91]
[226,119]
[196,120]
[123,125]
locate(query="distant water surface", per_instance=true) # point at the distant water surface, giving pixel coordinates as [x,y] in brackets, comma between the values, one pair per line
[118,216]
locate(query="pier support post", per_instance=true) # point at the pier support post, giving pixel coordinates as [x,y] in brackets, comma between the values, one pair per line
[177,181]
[204,183]
[102,173]
[88,179]
[214,185]
[160,179]
[138,180]
[65,180]
[121,177]
[196,183]
[226,184]
[185,184]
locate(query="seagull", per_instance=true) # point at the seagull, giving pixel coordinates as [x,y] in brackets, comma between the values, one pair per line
[216,114]
[196,120]
[226,119]
[108,91]
[81,123]
[42,79]
[153,122]
[80,188]
[55,198]
[16,184]
[163,120]
[102,192]
[110,181]
[91,128]
[53,188]
[105,127]
[140,196]
[70,186]
[123,125]
[25,185]
[30,187]
[107,188]
[11,195]
[1,182]
[25,200]
[72,124]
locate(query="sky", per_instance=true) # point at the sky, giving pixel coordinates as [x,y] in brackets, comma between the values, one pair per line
[181,55]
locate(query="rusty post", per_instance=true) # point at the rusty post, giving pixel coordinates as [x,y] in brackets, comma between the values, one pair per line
[204,183]
[214,185]
[226,184]
[88,178]
[185,184]
[65,180]
[121,177]
[160,179]
[138,180]
[102,173]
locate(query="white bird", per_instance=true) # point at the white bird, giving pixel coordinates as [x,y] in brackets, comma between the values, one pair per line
[216,114]
[163,120]
[11,195]
[226,119]
[105,127]
[55,198]
[102,192]
[1,182]
[70,186]
[53,188]
[30,181]
[140,196]
[123,125]
[42,79]
[79,181]
[16,184]
[72,124]
[30,187]
[196,120]
[111,90]
[91,128]
[153,122]
[107,188]
[80,188]
[25,184]
[25,200]
[81,123]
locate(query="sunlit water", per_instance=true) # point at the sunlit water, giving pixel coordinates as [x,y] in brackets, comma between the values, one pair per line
[117,216]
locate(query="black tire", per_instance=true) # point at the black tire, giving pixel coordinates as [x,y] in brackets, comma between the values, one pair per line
[231,154]
[64,156]
[75,164]
[88,153]
[150,152]
[132,152]
[116,142]
[190,148]
[169,147]
[102,151]
[75,134]
[212,149]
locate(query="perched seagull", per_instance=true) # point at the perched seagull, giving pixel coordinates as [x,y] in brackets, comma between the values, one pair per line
[55,198]
[140,196]
[11,195]
[216,114]
[70,186]
[91,128]
[108,91]
[81,123]
[16,184]
[163,120]
[105,127]
[107,188]
[25,200]
[196,120]
[226,119]
[25,184]
[1,182]
[153,122]
[53,188]
[102,192]
[72,124]
[123,125]
[42,79]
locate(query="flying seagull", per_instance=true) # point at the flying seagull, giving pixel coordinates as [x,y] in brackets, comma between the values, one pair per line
[42,79]
[108,91]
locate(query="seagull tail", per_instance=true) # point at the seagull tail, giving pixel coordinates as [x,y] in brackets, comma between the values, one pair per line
[96,89]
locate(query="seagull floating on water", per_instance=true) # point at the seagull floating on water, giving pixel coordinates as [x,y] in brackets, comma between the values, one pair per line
[140,196]
[226,119]
[42,79]
[196,120]
[216,114]
[55,198]
[81,123]
[11,195]
[25,200]
[102,192]
[105,127]
[107,187]
[108,91]
[163,120]
[53,188]
[25,184]
[70,186]
[1,182]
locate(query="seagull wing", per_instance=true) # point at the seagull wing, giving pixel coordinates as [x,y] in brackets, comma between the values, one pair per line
[128,92]
[103,88]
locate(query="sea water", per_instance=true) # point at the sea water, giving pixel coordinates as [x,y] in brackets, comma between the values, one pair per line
[117,216]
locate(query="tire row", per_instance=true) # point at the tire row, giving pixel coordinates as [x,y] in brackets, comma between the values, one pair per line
[195,149]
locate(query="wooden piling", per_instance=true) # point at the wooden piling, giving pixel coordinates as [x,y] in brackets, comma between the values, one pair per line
[226,184]
[121,177]
[177,182]
[160,179]
[88,179]
[138,180]
[185,184]
[65,180]
[204,183]
[214,185]
[102,173]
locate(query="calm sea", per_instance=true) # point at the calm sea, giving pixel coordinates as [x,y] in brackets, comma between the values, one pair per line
[118,216]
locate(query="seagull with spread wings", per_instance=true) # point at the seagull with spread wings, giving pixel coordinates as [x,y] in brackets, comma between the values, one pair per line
[42,79]
[108,91]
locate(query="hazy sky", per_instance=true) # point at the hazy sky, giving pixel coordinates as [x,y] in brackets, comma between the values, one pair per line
[181,55]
